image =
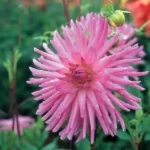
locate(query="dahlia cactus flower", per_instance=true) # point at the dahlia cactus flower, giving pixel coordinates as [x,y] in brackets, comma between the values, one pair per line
[78,84]
[24,122]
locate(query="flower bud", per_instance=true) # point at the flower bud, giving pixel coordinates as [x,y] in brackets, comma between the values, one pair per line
[117,19]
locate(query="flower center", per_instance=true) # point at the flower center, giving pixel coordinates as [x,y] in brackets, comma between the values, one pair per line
[81,74]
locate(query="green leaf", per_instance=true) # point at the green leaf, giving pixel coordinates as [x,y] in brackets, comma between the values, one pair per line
[11,137]
[30,136]
[128,126]
[146,123]
[8,67]
[123,135]
[139,114]
[147,136]
[30,147]
[51,146]
[2,142]
[39,123]
[133,122]
[44,136]
[17,56]
[85,7]
[83,145]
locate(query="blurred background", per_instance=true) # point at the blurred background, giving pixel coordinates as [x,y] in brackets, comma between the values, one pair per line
[25,24]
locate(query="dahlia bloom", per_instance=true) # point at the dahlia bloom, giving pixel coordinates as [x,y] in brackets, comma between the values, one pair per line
[24,122]
[78,84]
[140,13]
[127,37]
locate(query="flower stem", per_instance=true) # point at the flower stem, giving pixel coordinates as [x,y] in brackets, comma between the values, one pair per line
[66,10]
[79,10]
[12,94]
[17,123]
[136,146]
[12,88]
[92,146]
[13,109]
[143,26]
[72,147]
[13,123]
[136,138]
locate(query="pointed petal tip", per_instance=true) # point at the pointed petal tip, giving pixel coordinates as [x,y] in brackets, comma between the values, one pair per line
[44,118]
[92,142]
[34,60]
[124,129]
[146,72]
[28,82]
[69,137]
[44,44]
[35,49]
[62,138]
[55,130]
[33,93]
[46,129]
[37,99]
[47,122]
[30,68]
[142,89]
[38,112]
[139,108]
[77,141]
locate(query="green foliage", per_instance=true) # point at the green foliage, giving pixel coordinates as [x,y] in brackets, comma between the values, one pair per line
[108,10]
[32,139]
[84,144]
[45,38]
[17,33]
[11,65]
[146,124]
[51,146]
[123,135]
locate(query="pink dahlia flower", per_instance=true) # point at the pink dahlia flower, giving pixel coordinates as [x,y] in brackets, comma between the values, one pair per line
[24,122]
[78,84]
[127,38]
